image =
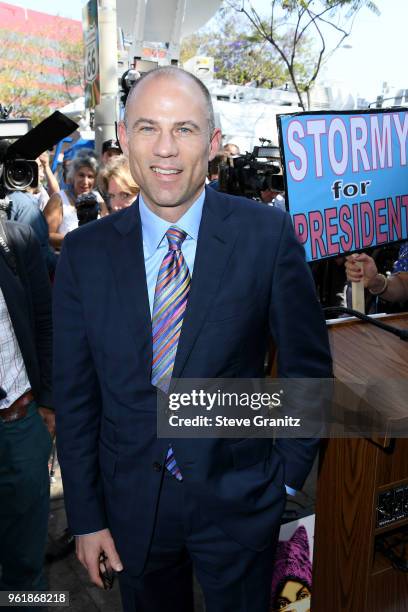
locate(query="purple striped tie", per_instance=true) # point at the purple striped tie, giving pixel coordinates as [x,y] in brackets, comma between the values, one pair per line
[170,301]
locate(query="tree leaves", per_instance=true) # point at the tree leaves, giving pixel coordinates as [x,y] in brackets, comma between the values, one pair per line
[39,73]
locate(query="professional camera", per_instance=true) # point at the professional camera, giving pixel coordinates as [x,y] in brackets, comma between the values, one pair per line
[16,172]
[87,208]
[247,175]
[20,146]
[129,78]
[19,174]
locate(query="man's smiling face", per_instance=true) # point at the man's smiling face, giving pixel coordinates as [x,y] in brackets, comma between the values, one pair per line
[168,142]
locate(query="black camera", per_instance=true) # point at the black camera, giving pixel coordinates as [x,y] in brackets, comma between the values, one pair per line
[129,78]
[20,146]
[19,174]
[87,208]
[247,175]
[16,172]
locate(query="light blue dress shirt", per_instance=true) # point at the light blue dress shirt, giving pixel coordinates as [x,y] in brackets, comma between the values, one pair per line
[155,245]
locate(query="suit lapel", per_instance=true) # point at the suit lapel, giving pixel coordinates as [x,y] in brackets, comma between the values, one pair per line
[216,240]
[126,255]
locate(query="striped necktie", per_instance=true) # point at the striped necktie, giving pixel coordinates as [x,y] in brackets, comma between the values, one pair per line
[170,301]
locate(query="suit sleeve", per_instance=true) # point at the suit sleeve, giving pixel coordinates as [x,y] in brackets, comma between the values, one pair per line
[40,290]
[77,403]
[299,330]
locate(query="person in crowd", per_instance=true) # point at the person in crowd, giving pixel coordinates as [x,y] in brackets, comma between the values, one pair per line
[42,193]
[185,283]
[214,169]
[24,209]
[61,211]
[117,183]
[275,194]
[26,414]
[231,149]
[392,288]
[110,149]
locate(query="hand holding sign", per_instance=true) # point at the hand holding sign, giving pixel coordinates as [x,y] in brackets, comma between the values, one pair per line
[361,268]
[361,271]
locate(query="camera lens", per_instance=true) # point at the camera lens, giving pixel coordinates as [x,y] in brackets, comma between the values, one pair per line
[19,174]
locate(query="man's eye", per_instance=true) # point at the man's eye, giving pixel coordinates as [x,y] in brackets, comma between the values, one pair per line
[184,130]
[146,129]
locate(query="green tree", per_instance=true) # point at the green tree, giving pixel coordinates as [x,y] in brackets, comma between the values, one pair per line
[299,32]
[239,55]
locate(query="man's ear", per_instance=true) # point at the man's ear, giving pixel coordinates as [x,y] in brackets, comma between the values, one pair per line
[123,139]
[215,143]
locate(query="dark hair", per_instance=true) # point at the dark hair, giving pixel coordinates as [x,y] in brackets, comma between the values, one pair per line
[214,164]
[175,71]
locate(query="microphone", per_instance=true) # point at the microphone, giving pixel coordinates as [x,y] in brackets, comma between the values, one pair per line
[3,394]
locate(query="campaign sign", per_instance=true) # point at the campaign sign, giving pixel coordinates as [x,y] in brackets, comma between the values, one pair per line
[346,179]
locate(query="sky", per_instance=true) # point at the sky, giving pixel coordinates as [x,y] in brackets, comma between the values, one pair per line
[374,54]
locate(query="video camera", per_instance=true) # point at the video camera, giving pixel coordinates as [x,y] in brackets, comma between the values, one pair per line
[129,78]
[18,165]
[247,175]
[15,173]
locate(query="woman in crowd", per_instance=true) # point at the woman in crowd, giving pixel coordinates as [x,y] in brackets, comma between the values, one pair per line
[117,184]
[61,212]
[392,288]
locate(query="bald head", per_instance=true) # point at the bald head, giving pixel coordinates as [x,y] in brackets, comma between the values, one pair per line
[172,72]
[169,138]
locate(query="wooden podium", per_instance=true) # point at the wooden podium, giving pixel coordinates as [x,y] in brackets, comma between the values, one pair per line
[349,575]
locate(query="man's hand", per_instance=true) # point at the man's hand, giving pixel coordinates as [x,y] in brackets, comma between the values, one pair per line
[89,548]
[368,273]
[48,416]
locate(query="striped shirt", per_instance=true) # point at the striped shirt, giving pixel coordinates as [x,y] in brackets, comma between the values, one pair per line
[13,375]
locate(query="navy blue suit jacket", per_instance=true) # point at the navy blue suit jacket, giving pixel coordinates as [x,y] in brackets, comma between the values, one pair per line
[250,279]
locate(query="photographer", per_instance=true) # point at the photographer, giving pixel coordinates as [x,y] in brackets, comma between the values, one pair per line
[253,175]
[61,210]
[20,205]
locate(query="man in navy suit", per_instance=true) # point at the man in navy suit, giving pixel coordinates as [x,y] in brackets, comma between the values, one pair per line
[237,274]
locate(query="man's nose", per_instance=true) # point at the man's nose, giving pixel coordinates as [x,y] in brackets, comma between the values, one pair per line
[165,144]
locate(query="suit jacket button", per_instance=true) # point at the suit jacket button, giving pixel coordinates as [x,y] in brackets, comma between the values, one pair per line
[157,466]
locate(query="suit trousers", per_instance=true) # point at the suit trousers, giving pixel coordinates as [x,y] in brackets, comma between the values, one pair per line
[25,447]
[231,577]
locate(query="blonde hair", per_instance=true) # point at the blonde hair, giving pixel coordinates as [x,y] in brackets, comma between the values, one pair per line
[118,169]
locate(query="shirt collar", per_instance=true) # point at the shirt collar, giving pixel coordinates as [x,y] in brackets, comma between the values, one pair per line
[154,227]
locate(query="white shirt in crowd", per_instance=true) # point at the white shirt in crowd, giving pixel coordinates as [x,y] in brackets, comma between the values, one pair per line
[13,375]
